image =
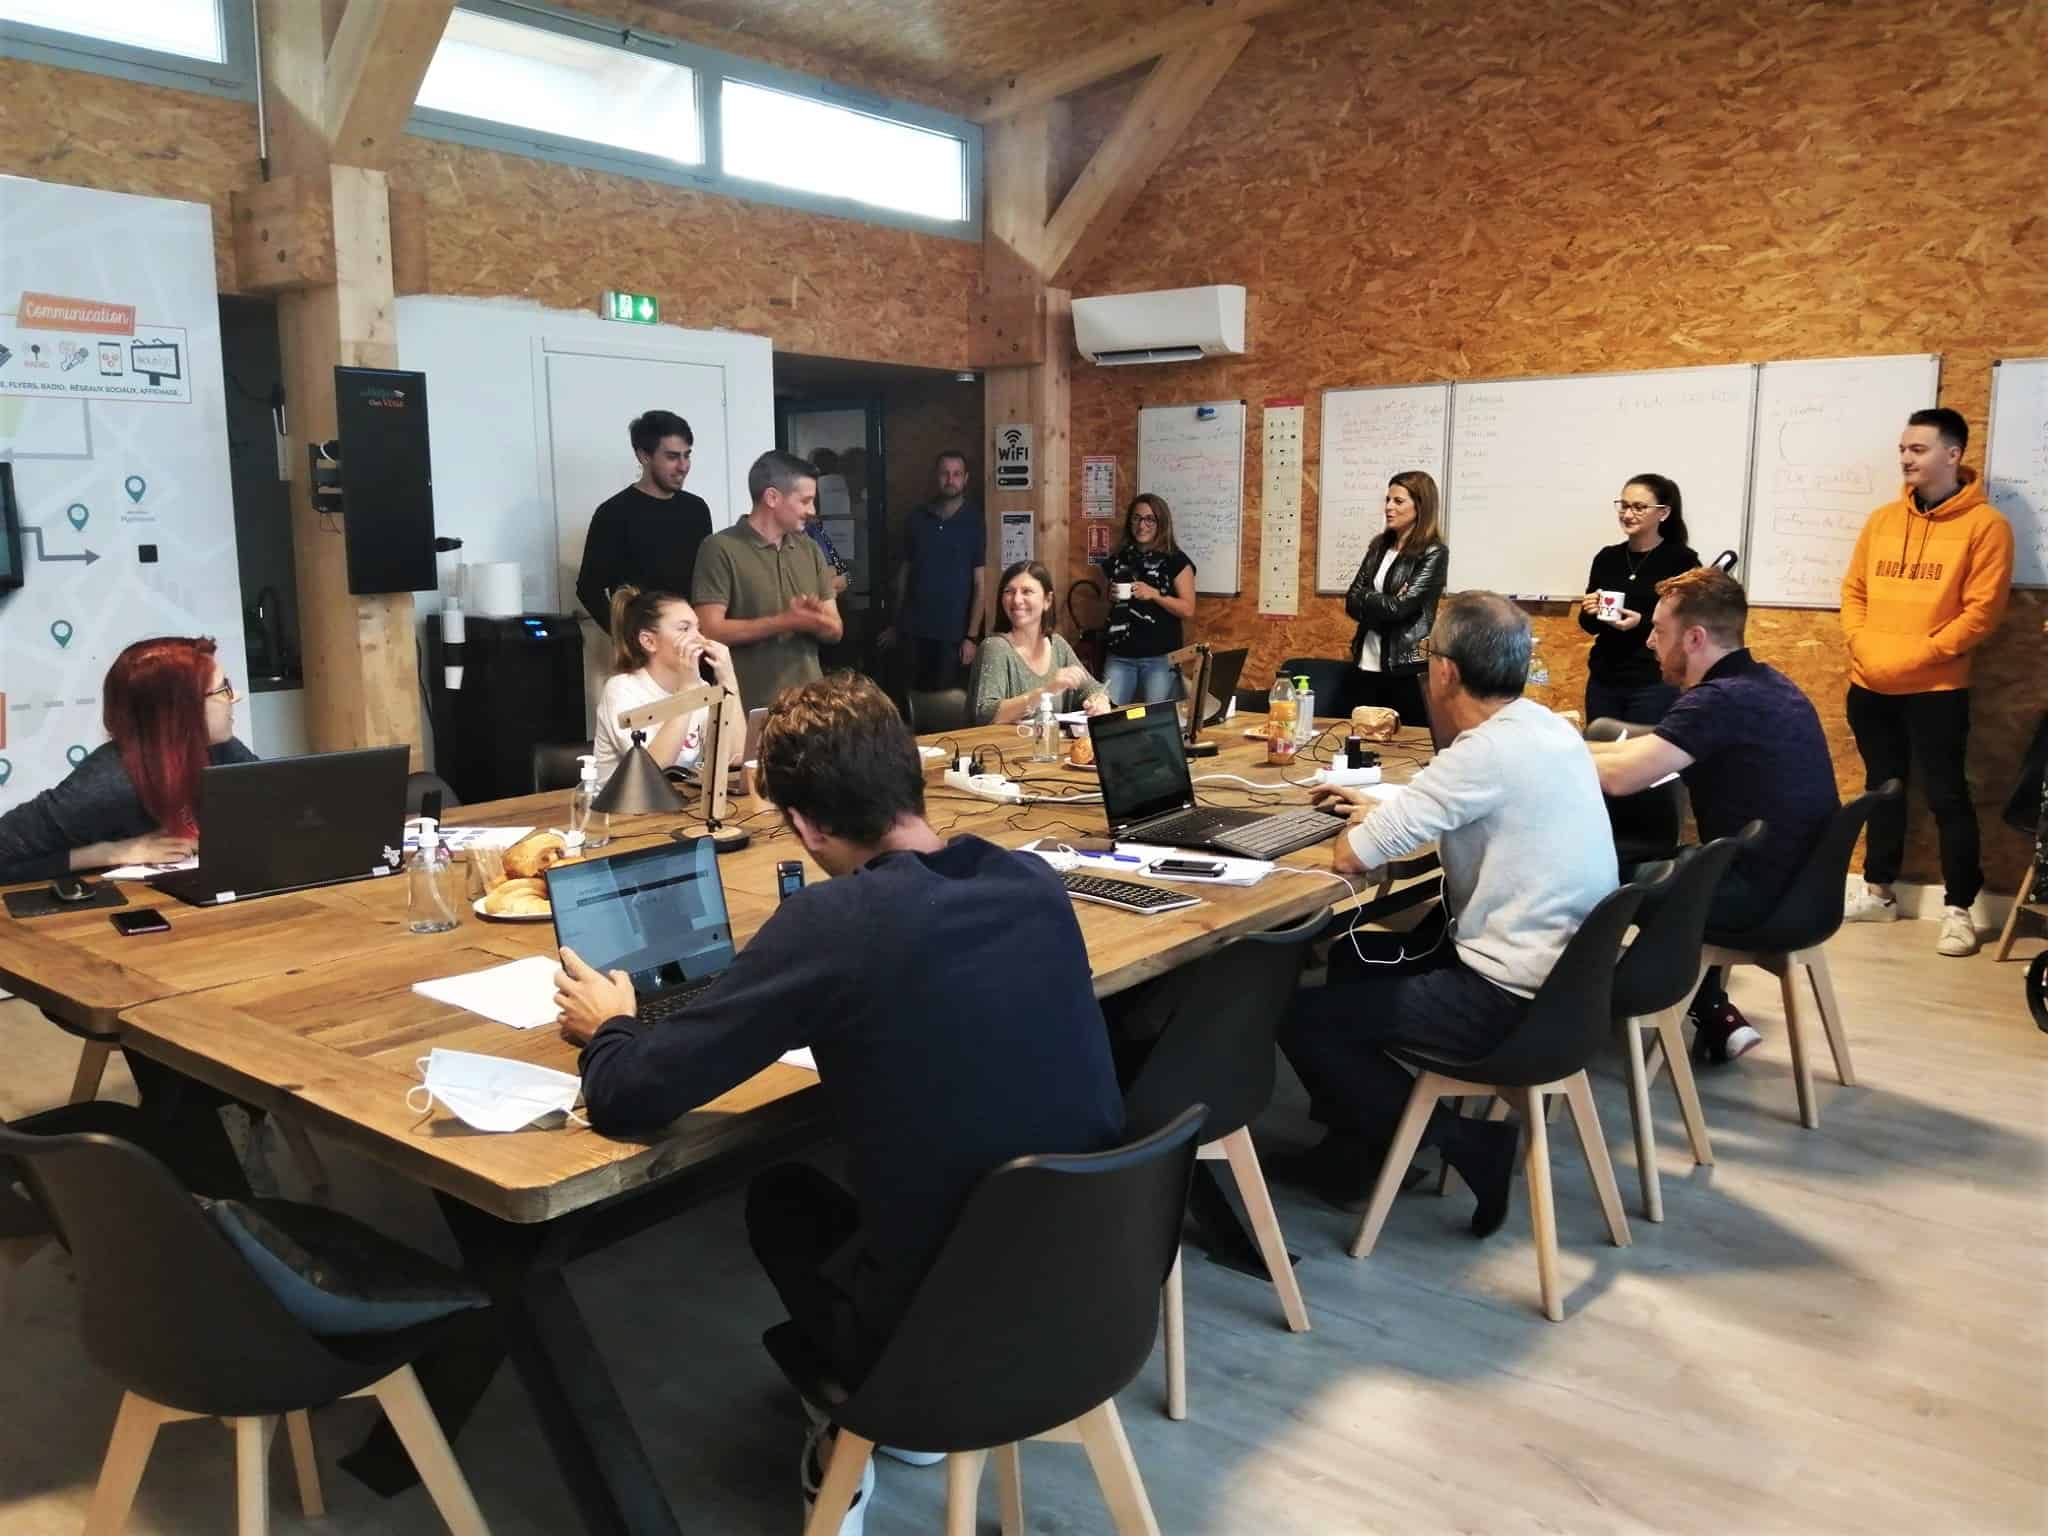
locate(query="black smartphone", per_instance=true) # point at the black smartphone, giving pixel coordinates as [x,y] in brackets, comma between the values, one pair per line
[789,878]
[1188,867]
[142,920]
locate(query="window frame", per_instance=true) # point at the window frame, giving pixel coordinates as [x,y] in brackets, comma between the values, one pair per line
[234,76]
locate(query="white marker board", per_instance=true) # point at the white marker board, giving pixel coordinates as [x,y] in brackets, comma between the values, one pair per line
[1536,464]
[1369,436]
[1196,462]
[1827,438]
[2016,462]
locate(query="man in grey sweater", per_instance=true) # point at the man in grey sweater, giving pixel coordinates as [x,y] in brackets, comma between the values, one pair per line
[1514,808]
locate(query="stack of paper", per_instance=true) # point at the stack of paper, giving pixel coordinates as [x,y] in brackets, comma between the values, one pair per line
[520,993]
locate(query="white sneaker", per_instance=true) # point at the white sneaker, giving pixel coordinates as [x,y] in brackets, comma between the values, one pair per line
[1958,933]
[1869,905]
[909,1458]
[811,1472]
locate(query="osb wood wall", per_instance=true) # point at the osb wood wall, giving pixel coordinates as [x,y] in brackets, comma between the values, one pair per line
[504,225]
[1468,190]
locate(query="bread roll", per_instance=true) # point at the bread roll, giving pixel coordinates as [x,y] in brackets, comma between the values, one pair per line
[1374,723]
[519,898]
[533,853]
[1082,752]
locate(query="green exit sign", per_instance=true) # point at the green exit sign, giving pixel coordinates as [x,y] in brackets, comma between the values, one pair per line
[634,308]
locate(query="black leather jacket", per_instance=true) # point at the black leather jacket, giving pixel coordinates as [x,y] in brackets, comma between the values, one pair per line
[1405,612]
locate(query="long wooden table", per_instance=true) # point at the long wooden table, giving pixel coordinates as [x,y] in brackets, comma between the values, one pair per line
[303,1004]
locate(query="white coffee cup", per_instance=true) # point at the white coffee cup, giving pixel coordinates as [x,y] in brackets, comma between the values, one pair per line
[1123,591]
[1610,606]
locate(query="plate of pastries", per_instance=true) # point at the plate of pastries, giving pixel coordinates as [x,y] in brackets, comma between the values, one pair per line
[515,891]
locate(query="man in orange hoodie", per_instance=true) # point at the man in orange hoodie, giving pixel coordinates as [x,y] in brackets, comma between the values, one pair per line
[1926,586]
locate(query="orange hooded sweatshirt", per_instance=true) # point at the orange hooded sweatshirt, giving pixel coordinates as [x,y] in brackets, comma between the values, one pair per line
[1924,589]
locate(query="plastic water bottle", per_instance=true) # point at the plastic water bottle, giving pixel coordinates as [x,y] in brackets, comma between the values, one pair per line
[1047,749]
[584,816]
[1539,670]
[433,897]
[1304,714]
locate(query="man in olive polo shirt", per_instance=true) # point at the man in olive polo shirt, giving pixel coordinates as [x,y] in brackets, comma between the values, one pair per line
[763,589]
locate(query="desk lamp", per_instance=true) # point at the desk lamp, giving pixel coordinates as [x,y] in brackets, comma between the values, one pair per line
[640,786]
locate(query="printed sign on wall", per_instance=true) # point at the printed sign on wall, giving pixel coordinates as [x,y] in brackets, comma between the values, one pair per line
[1013,456]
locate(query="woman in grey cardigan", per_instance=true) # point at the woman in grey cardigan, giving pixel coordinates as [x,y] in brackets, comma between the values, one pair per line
[1024,658]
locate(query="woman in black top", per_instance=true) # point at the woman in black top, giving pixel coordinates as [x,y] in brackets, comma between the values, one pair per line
[1622,681]
[1152,587]
[170,711]
[1393,600]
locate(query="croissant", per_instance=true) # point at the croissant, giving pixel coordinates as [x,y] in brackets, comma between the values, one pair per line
[533,853]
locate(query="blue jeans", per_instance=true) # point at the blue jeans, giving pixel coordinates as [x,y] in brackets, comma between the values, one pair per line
[1141,680]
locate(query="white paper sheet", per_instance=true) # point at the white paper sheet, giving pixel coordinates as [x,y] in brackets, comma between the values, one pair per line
[800,1057]
[144,871]
[520,993]
[455,839]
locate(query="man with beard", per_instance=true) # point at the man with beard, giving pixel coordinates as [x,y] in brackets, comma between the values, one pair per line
[650,532]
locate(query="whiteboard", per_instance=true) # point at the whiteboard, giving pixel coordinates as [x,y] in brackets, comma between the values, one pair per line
[1536,465]
[1827,438]
[1198,466]
[2016,462]
[1369,436]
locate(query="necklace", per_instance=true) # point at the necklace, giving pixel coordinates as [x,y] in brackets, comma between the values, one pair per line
[1636,565]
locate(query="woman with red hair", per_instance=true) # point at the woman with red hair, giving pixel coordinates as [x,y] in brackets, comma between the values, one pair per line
[169,711]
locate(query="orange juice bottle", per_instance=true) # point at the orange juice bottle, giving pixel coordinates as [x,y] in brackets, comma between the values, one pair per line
[1282,718]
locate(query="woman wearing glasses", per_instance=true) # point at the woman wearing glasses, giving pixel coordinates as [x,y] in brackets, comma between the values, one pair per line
[1623,681]
[1152,591]
[169,711]
[1393,601]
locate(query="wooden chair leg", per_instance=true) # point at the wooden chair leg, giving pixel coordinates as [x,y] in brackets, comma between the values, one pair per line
[92,1066]
[1802,1068]
[1671,1030]
[836,1494]
[1116,1471]
[405,1405]
[305,1464]
[1010,1487]
[252,1474]
[1646,1125]
[1258,1204]
[1578,1093]
[135,1428]
[963,1490]
[1542,1212]
[1400,1152]
[304,1153]
[1176,1345]
[2011,930]
[1823,984]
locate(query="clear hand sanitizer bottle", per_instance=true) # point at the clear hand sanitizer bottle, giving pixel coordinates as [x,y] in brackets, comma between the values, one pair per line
[584,817]
[1048,747]
[433,893]
[1304,713]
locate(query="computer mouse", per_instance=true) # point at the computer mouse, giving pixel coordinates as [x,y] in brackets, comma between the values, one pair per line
[72,888]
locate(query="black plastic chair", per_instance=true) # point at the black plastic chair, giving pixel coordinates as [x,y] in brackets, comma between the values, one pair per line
[1217,1049]
[938,709]
[1327,679]
[1790,940]
[419,785]
[179,1319]
[557,764]
[1568,1021]
[1040,1308]
[1653,985]
[1648,824]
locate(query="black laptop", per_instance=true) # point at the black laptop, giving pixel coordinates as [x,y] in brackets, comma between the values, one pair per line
[290,823]
[658,914]
[1149,796]
[1225,668]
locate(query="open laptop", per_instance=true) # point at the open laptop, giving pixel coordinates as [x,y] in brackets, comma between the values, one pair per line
[290,823]
[1149,797]
[658,914]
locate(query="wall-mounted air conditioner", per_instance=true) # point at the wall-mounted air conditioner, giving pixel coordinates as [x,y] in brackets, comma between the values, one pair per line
[1175,325]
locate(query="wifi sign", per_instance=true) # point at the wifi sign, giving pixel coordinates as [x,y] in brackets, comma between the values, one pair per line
[1013,457]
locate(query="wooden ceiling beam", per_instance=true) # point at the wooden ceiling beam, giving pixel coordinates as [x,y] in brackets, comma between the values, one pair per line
[1151,126]
[1183,28]
[374,67]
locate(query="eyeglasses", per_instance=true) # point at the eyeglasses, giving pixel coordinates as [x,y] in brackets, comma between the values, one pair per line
[1426,648]
[1638,506]
[1144,517]
[226,690]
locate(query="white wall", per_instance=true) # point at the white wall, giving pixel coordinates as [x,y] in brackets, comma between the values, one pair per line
[487,412]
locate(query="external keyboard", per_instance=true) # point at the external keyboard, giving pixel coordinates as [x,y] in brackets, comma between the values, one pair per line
[1126,894]
[1282,832]
[666,1005]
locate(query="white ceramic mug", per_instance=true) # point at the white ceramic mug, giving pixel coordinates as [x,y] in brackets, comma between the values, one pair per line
[1123,591]
[1610,606]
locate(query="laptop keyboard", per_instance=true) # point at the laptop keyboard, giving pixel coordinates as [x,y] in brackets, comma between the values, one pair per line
[1187,830]
[653,1010]
[1281,833]
[1127,894]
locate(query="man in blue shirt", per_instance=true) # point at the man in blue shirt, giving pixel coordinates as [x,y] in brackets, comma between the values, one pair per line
[1749,746]
[941,587]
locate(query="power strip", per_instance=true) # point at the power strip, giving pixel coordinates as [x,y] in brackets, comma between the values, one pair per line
[1347,777]
[989,786]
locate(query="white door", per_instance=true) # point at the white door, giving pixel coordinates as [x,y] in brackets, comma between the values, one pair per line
[591,396]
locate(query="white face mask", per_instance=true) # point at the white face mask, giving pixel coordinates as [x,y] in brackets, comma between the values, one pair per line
[493,1093]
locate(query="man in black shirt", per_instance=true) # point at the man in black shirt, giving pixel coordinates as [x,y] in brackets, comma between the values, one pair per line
[934,1075]
[647,534]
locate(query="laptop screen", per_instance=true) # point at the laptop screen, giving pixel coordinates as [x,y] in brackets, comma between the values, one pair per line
[658,914]
[1138,757]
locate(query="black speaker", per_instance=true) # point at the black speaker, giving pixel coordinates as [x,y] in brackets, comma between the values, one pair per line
[387,479]
[522,684]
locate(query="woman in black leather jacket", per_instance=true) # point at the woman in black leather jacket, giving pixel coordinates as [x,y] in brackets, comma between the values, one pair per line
[1393,598]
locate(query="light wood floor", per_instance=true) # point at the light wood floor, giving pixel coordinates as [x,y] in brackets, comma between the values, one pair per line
[1839,1330]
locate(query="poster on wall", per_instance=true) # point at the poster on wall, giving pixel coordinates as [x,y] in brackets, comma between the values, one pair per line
[1018,537]
[1098,485]
[112,417]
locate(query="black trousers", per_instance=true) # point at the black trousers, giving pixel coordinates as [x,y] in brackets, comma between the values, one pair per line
[1896,733]
[1400,691]
[797,1220]
[1638,704]
[1739,903]
[1406,988]
[934,664]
